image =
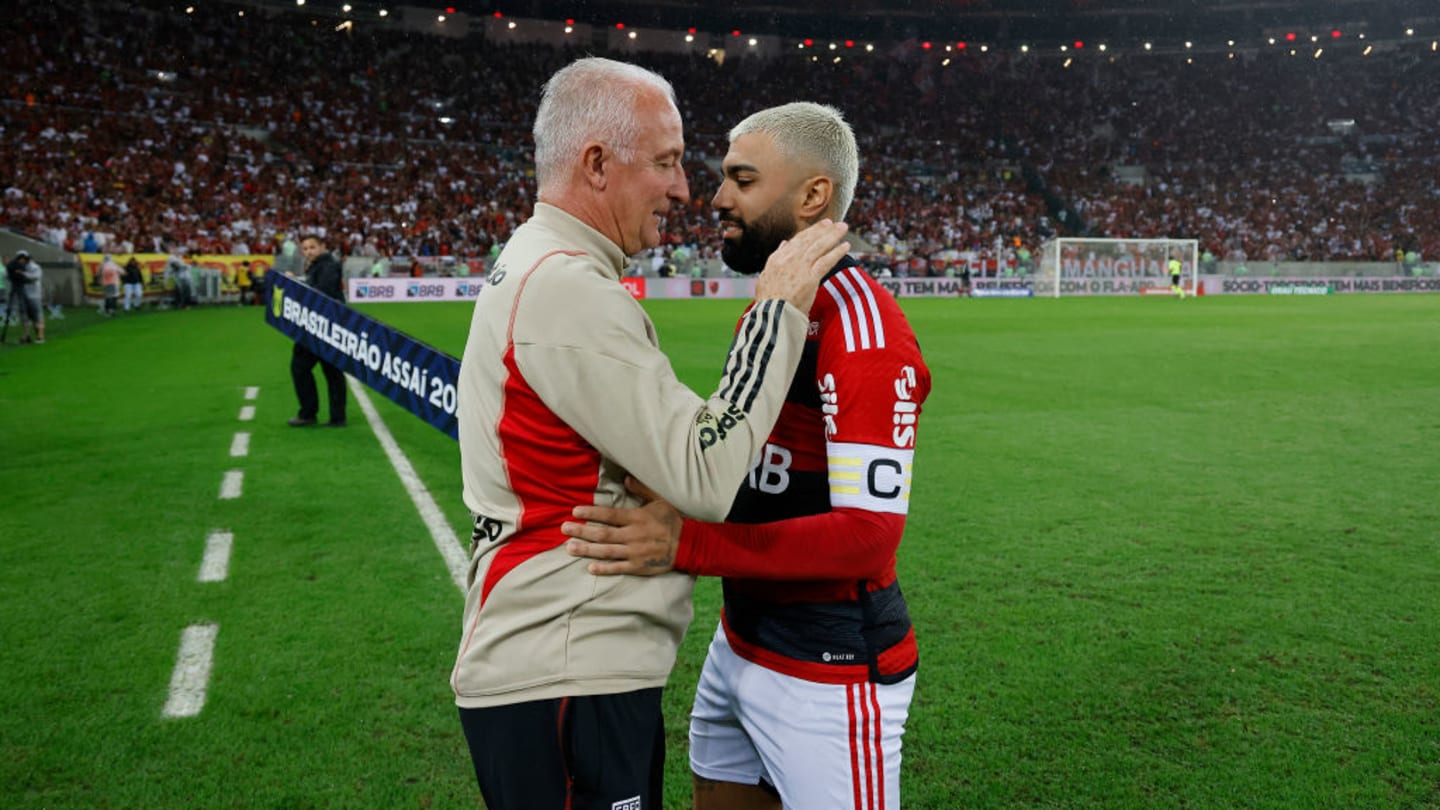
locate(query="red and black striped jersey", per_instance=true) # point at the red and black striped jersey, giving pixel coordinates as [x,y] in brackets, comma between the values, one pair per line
[808,552]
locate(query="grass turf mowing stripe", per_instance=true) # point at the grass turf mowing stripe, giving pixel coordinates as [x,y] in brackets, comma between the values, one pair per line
[444,536]
[191,678]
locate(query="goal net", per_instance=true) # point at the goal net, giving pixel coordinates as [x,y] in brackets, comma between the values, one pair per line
[1074,266]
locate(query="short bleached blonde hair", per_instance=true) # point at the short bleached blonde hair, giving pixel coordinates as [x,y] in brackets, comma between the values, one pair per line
[816,134]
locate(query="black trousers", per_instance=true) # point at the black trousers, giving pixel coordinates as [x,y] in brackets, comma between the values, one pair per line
[595,752]
[302,365]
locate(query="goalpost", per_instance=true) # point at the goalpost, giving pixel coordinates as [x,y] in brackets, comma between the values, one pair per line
[1076,266]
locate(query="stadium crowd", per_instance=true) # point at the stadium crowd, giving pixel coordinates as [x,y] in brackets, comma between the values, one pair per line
[127,127]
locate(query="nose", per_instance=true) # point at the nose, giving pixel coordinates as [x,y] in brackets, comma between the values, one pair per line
[721,200]
[680,191]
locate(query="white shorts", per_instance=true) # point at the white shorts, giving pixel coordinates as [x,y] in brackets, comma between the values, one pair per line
[823,746]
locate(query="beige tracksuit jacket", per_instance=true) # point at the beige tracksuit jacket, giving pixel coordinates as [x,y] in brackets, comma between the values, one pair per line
[563,391]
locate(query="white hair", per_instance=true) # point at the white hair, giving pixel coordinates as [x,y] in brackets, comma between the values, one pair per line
[591,99]
[812,133]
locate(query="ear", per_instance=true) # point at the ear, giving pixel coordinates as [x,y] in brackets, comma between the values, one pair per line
[592,165]
[816,195]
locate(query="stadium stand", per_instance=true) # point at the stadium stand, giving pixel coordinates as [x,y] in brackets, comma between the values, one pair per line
[140,126]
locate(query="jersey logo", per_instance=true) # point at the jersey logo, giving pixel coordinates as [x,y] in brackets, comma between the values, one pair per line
[859,313]
[486,530]
[497,275]
[632,803]
[871,477]
[906,409]
[829,405]
[714,429]
[770,473]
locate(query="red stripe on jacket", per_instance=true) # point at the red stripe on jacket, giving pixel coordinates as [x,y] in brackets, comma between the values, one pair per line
[550,467]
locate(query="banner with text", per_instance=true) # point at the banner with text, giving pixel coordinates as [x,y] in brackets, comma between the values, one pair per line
[744,287]
[1324,286]
[152,271]
[382,289]
[415,290]
[419,378]
[923,287]
[1001,288]
[1112,286]
[686,287]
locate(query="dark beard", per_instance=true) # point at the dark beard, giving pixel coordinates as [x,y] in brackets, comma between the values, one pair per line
[748,254]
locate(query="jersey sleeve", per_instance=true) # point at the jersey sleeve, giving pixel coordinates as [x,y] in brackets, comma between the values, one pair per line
[872,382]
[840,544]
[597,366]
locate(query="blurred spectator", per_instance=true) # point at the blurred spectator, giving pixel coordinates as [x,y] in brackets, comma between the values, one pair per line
[109,272]
[178,271]
[24,275]
[134,281]
[243,282]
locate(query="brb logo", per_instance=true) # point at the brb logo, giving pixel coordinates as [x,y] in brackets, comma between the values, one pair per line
[374,291]
[425,291]
[771,472]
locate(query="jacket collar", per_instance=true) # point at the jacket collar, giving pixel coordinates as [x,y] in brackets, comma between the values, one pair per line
[581,236]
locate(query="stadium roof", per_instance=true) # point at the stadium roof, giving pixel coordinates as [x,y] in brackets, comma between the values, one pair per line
[992,20]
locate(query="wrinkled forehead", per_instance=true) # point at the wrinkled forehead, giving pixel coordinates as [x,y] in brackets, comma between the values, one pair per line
[660,122]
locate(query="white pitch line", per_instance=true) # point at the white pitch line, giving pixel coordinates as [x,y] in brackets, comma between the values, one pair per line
[231,486]
[192,671]
[444,536]
[240,445]
[247,413]
[216,565]
[252,392]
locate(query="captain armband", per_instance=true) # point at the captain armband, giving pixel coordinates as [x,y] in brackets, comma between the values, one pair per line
[871,477]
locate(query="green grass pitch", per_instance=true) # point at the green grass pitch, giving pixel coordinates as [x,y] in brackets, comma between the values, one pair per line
[1159,554]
